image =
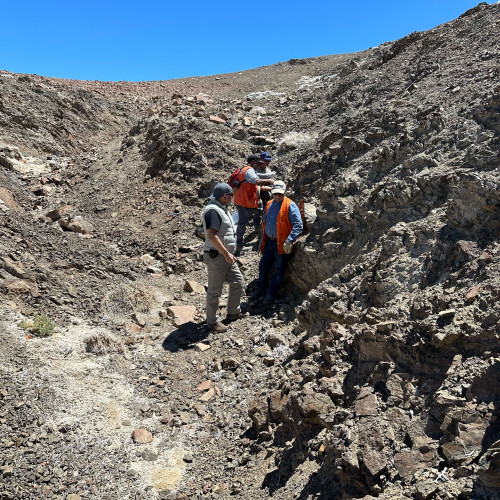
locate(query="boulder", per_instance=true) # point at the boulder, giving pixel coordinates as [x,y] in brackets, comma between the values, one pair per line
[142,436]
[193,286]
[76,224]
[181,314]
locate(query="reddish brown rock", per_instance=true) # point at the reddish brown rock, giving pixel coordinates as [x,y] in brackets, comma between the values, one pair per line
[200,410]
[204,386]
[142,436]
[193,286]
[181,314]
[208,395]
[471,296]
[216,119]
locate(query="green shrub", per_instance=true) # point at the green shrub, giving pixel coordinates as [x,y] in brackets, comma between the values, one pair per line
[41,326]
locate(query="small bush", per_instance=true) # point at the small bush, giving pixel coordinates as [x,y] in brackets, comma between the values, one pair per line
[101,343]
[41,326]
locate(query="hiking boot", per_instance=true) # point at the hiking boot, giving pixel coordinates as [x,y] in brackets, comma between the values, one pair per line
[217,327]
[234,317]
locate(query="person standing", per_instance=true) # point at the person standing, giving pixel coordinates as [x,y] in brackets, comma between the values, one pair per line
[264,173]
[218,255]
[246,198]
[266,159]
[281,227]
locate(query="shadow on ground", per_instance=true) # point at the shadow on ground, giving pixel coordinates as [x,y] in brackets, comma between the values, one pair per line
[186,337]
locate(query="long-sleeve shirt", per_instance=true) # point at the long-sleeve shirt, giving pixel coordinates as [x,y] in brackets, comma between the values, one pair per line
[293,216]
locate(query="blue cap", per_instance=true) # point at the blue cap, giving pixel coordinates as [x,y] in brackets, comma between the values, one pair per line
[265,156]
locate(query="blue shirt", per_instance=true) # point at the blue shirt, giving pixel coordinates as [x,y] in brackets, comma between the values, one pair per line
[293,216]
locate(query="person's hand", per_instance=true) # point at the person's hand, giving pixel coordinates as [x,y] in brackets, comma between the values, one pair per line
[229,258]
[287,246]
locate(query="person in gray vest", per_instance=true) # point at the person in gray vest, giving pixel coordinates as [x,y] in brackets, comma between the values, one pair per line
[218,255]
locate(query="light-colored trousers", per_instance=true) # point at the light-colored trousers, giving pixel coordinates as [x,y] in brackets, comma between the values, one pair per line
[219,271]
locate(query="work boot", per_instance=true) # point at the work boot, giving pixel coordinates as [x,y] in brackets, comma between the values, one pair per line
[234,317]
[217,327]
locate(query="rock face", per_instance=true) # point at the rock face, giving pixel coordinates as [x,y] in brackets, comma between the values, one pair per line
[376,374]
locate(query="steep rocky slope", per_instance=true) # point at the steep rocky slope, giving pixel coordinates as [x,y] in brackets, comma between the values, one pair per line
[376,376]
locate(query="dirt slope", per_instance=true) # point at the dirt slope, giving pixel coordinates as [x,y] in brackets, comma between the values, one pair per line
[377,373]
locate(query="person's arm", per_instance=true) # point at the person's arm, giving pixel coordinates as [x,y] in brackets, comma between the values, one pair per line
[252,178]
[266,174]
[296,220]
[265,182]
[213,237]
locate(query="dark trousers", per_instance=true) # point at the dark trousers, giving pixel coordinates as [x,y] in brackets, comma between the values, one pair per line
[246,215]
[271,257]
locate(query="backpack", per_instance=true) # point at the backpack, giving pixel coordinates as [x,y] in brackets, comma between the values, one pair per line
[233,179]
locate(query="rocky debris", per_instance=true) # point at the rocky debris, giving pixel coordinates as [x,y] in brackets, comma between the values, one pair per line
[376,372]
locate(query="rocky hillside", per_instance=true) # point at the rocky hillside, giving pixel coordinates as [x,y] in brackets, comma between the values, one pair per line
[377,373]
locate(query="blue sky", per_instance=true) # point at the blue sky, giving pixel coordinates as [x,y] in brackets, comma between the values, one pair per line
[160,40]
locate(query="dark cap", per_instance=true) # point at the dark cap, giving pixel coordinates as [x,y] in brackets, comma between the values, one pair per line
[252,158]
[265,156]
[221,189]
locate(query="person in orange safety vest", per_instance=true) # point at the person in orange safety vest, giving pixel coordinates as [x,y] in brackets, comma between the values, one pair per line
[246,197]
[281,227]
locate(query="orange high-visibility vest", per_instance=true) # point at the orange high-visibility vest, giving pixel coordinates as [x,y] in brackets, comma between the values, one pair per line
[246,194]
[283,225]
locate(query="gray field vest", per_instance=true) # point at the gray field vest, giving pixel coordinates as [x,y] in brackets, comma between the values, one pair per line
[227,231]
